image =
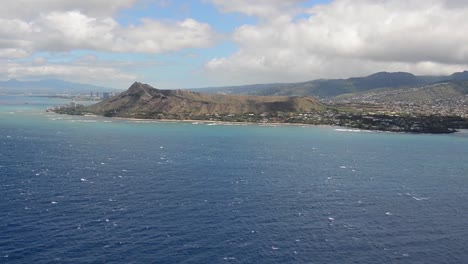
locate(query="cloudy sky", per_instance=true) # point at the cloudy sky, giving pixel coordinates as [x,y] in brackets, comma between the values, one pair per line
[200,43]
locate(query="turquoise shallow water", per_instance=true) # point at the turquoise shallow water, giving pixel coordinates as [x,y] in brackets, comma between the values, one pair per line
[91,189]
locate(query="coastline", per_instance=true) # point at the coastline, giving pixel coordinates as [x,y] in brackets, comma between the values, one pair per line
[218,122]
[418,124]
[266,124]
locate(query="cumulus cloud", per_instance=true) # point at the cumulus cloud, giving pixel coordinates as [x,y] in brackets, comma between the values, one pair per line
[58,27]
[64,31]
[28,9]
[350,37]
[81,70]
[262,8]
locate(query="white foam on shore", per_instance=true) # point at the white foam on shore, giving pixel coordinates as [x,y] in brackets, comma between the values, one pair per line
[351,130]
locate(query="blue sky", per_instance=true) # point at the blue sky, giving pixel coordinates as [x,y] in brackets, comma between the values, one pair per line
[200,43]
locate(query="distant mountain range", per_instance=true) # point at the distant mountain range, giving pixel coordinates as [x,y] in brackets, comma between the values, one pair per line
[144,101]
[454,84]
[448,90]
[328,88]
[48,86]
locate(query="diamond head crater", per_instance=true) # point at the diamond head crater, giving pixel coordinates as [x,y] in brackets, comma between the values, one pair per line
[396,102]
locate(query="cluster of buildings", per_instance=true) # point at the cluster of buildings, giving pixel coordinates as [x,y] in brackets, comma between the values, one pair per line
[408,102]
[440,107]
[102,95]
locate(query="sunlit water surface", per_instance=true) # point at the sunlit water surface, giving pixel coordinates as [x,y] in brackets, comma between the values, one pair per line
[94,190]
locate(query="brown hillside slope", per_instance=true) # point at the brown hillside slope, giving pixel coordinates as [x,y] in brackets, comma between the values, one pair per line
[142,98]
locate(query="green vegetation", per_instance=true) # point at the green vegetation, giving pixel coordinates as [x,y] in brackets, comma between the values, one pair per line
[328,88]
[144,102]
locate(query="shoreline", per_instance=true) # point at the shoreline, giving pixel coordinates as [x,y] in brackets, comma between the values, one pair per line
[217,122]
[276,124]
[209,121]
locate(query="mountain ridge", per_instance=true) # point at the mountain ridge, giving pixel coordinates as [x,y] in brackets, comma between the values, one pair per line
[328,88]
[145,101]
[141,101]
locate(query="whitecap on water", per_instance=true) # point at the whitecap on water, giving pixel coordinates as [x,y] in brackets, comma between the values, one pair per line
[417,198]
[420,198]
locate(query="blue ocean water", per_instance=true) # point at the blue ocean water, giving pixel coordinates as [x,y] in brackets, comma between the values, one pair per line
[98,190]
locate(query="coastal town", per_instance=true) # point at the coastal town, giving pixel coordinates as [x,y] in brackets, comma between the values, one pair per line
[443,117]
[414,109]
[396,101]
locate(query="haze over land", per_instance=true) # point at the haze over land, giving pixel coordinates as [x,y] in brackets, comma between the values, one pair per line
[210,43]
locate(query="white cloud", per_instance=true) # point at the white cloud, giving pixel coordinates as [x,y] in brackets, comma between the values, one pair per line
[28,9]
[92,71]
[349,37]
[65,31]
[156,37]
[59,27]
[261,8]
